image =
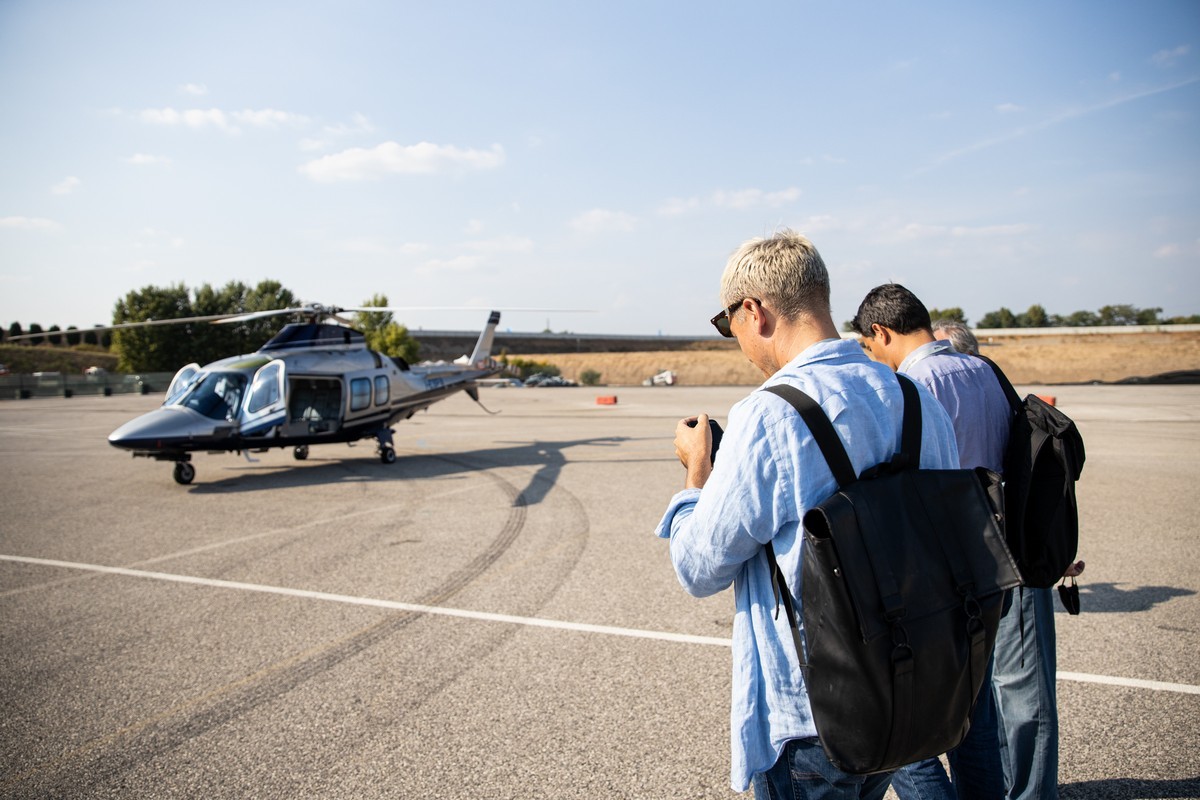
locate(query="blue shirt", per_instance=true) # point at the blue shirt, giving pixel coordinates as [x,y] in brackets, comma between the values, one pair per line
[768,472]
[971,394]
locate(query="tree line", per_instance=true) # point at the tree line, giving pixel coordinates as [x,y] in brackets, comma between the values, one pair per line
[166,348]
[1037,317]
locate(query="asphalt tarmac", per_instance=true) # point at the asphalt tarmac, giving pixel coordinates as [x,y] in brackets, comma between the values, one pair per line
[491,616]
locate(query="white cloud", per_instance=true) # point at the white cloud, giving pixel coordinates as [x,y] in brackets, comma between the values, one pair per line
[601,220]
[501,244]
[1167,251]
[750,198]
[1008,108]
[677,206]
[194,89]
[146,160]
[228,122]
[66,185]
[915,230]
[456,264]
[1168,58]
[739,199]
[192,118]
[29,223]
[1050,122]
[392,158]
[268,118]
[359,124]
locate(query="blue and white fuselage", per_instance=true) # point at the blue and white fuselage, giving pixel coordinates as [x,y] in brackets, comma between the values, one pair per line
[310,384]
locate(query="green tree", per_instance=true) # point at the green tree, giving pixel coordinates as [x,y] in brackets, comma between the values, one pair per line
[1123,314]
[34,328]
[1001,318]
[73,335]
[589,377]
[54,335]
[158,348]
[168,347]
[15,330]
[1081,319]
[954,313]
[383,334]
[1035,317]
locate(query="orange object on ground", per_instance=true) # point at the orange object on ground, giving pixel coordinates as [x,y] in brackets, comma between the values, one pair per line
[1048,399]
[606,400]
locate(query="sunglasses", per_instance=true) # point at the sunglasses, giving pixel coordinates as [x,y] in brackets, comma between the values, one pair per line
[721,321]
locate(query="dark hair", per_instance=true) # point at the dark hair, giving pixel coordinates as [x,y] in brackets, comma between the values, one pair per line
[891,306]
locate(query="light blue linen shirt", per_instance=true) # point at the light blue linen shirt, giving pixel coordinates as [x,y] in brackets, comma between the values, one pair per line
[971,394]
[768,472]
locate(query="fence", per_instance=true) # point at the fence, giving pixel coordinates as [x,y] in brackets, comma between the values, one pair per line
[56,384]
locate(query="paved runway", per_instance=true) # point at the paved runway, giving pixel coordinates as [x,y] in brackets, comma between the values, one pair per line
[490,616]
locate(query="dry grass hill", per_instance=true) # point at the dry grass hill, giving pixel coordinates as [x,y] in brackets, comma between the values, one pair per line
[1068,358]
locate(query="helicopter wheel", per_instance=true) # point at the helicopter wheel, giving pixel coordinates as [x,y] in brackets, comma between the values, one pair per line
[184,472]
[387,455]
[300,453]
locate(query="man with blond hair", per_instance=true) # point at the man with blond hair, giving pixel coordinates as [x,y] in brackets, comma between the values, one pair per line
[770,470]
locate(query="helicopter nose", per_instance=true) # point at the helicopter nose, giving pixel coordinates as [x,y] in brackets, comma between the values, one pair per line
[159,429]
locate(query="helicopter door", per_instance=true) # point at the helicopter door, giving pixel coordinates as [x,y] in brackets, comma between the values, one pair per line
[182,380]
[314,406]
[265,405]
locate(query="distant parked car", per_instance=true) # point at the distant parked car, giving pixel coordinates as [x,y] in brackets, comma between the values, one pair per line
[4,370]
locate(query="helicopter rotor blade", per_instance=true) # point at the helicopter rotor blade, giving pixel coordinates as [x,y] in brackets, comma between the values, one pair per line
[120,326]
[274,312]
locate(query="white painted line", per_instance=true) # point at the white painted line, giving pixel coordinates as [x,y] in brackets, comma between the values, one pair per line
[1136,683]
[375,603]
[1082,677]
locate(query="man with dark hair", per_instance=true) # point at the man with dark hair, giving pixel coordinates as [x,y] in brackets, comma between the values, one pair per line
[770,470]
[1012,745]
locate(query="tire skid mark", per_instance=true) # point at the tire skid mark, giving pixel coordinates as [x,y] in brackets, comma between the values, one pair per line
[104,759]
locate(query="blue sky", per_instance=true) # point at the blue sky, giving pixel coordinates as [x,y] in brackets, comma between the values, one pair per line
[605,156]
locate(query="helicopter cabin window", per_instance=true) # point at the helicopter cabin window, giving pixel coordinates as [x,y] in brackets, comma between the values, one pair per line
[381,390]
[265,391]
[360,394]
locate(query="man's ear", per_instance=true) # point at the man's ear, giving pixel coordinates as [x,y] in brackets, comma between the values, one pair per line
[763,322]
[881,334]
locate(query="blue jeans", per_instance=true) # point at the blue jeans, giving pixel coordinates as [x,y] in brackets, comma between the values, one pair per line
[1026,698]
[803,772]
[975,766]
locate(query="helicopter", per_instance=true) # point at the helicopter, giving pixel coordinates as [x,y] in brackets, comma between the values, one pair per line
[314,382]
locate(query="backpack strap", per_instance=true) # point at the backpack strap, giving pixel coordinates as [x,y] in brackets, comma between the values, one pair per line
[843,472]
[1014,399]
[831,444]
[822,430]
[910,430]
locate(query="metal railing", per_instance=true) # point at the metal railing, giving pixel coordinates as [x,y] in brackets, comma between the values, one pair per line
[57,384]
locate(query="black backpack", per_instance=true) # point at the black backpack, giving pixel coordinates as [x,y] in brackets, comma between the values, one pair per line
[903,576]
[1042,462]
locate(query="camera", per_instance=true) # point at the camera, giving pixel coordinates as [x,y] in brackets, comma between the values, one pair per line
[716,430]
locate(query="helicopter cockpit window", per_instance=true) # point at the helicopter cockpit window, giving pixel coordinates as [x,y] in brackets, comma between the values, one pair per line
[265,391]
[381,390]
[360,394]
[181,383]
[216,395]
